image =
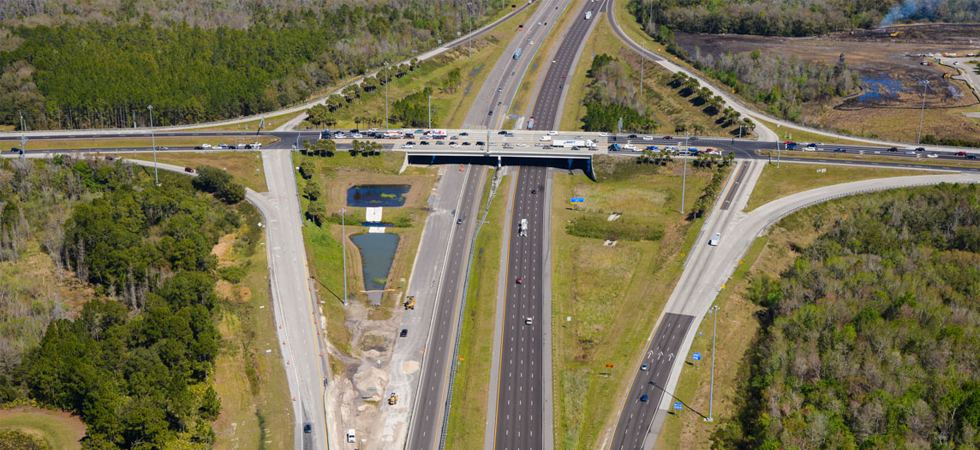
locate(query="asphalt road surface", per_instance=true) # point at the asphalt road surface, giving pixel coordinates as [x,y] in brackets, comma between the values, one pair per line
[548,103]
[519,399]
[426,424]
[637,414]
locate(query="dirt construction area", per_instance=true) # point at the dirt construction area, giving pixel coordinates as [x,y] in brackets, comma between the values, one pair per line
[893,63]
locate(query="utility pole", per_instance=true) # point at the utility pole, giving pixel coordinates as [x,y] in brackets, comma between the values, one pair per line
[469,39]
[22,127]
[925,85]
[687,137]
[134,120]
[430,112]
[153,142]
[343,240]
[711,392]
[386,100]
[641,75]
[777,154]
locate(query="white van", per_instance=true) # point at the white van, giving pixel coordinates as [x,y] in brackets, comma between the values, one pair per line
[714,240]
[350,436]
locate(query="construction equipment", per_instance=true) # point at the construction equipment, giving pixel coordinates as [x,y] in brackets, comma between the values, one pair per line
[393,399]
[410,302]
[895,34]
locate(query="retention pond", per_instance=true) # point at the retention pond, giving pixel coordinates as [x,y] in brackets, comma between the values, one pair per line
[377,254]
[373,195]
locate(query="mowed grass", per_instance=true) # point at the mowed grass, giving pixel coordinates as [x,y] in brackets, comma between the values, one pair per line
[871,158]
[271,122]
[59,429]
[324,243]
[791,178]
[246,166]
[256,409]
[798,135]
[131,142]
[449,109]
[613,295]
[467,419]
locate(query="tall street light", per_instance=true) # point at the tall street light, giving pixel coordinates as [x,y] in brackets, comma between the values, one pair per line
[469,18]
[711,392]
[430,112]
[386,95]
[343,240]
[153,142]
[687,137]
[925,85]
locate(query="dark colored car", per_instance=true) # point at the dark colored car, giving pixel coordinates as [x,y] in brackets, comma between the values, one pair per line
[668,137]
[960,153]
[409,136]
[308,428]
[534,191]
[520,280]
[459,221]
[355,130]
[644,398]
[920,149]
[404,332]
[632,136]
[410,143]
[15,150]
[188,170]
[466,143]
[893,149]
[693,138]
[502,132]
[560,86]
[464,134]
[423,142]
[481,143]
[490,113]
[839,150]
[971,156]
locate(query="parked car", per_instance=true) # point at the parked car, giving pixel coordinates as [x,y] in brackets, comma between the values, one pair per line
[188,170]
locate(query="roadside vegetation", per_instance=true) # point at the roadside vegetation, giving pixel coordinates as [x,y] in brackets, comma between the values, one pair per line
[245,166]
[33,428]
[858,324]
[137,260]
[611,318]
[471,389]
[791,178]
[244,60]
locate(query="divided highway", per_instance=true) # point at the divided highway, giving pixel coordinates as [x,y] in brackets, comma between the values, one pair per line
[520,406]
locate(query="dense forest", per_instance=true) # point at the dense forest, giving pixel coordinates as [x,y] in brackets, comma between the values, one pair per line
[792,18]
[100,64]
[871,339]
[613,95]
[136,363]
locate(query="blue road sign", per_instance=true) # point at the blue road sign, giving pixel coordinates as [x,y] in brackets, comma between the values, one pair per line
[696,356]
[578,200]
[678,406]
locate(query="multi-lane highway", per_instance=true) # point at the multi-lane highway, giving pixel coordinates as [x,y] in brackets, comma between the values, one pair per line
[548,103]
[520,405]
[429,409]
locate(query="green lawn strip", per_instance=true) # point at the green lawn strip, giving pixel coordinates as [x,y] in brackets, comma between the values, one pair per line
[449,109]
[791,178]
[613,295]
[736,330]
[60,430]
[245,166]
[131,142]
[250,379]
[798,135]
[271,122]
[471,388]
[898,159]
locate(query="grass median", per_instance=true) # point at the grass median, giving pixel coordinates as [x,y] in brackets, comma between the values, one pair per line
[612,294]
[246,166]
[792,178]
[468,416]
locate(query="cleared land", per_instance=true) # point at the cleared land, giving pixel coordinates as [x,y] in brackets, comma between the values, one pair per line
[130,143]
[255,406]
[472,385]
[791,178]
[449,108]
[59,429]
[613,294]
[246,166]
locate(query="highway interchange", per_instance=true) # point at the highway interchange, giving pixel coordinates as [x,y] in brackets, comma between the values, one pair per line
[521,415]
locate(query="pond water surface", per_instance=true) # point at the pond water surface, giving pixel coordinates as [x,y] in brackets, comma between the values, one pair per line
[377,254]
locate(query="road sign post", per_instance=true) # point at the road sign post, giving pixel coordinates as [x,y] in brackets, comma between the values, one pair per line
[678,406]
[696,357]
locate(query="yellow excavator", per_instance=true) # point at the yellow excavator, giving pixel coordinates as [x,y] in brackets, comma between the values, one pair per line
[895,34]
[410,302]
[393,399]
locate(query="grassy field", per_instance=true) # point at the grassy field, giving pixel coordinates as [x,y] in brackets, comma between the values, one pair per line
[130,142]
[449,109]
[791,178]
[901,159]
[798,135]
[256,412]
[324,248]
[246,166]
[470,391]
[60,430]
[611,318]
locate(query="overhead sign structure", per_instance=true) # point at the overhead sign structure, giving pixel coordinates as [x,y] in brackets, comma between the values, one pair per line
[696,356]
[577,200]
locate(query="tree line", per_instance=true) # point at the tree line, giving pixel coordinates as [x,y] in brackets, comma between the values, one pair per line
[105,74]
[869,339]
[611,96]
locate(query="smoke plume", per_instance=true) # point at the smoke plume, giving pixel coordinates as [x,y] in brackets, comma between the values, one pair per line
[919,9]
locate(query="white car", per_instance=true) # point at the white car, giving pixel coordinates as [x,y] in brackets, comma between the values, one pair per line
[356,136]
[408,146]
[553,133]
[521,144]
[714,240]
[631,147]
[351,437]
[528,321]
[932,155]
[601,134]
[545,138]
[647,138]
[205,145]
[339,136]
[454,145]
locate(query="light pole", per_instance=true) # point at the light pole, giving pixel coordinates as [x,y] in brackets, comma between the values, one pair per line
[153,142]
[687,137]
[641,73]
[343,240]
[711,391]
[925,85]
[430,112]
[469,39]
[386,98]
